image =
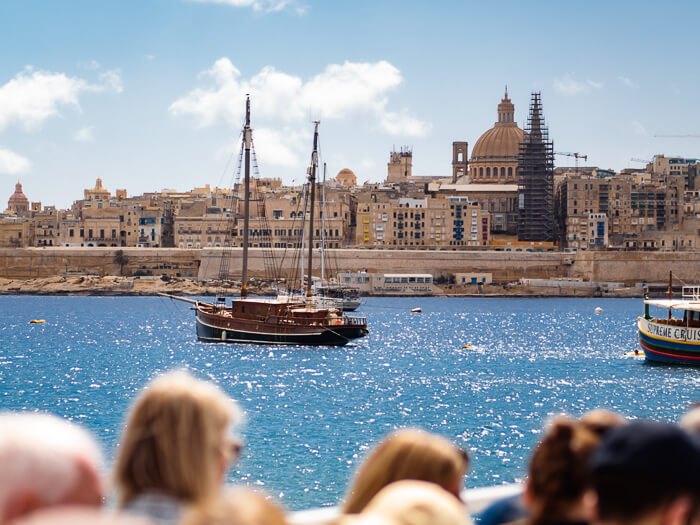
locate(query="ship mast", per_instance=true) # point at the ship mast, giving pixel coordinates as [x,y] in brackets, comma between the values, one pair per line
[312,184]
[247,139]
[323,227]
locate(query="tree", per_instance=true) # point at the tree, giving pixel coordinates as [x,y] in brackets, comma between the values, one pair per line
[121,259]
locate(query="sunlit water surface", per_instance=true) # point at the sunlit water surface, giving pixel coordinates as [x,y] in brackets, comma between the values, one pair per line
[487,373]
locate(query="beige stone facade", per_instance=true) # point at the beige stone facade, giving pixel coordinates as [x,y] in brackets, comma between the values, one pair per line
[442,222]
[644,210]
[400,166]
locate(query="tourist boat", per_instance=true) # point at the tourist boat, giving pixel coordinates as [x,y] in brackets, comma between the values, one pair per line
[275,321]
[669,339]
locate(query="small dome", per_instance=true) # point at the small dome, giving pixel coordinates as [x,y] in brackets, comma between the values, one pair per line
[347,178]
[18,195]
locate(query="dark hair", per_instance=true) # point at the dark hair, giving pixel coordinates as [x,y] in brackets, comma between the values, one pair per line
[643,466]
[619,499]
[559,473]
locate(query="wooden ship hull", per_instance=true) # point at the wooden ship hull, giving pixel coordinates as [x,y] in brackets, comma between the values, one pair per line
[273,322]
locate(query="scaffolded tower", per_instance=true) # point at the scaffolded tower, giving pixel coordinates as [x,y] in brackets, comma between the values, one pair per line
[536,178]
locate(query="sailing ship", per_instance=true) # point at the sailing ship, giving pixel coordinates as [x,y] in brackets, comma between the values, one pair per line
[669,339]
[274,321]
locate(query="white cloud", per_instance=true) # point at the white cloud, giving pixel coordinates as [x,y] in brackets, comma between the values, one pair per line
[112,79]
[84,135]
[404,124]
[280,148]
[32,96]
[628,82]
[11,163]
[567,85]
[267,6]
[340,91]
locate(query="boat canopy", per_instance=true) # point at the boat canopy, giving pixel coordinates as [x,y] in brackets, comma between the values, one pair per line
[675,304]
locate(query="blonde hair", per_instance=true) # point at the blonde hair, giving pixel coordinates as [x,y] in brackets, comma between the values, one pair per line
[237,507]
[174,440]
[406,455]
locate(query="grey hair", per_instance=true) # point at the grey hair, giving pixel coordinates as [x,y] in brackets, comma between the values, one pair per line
[41,453]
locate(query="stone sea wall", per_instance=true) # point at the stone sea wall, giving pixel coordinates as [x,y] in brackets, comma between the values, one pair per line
[625,267]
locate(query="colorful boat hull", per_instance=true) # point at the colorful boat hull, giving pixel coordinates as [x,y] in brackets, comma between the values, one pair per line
[668,343]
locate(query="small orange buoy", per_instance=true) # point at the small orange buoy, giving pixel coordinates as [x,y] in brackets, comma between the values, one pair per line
[36,321]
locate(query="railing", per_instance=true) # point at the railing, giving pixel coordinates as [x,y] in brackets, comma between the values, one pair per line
[476,500]
[359,321]
[691,292]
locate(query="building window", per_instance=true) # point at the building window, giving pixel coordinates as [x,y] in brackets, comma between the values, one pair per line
[503,172]
[488,172]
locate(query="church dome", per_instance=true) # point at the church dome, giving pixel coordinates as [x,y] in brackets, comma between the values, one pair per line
[498,142]
[495,154]
[18,195]
[502,140]
[346,177]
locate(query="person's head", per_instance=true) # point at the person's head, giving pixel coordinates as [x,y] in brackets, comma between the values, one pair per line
[237,507]
[411,503]
[559,480]
[176,440]
[600,420]
[691,420]
[45,461]
[647,473]
[412,455]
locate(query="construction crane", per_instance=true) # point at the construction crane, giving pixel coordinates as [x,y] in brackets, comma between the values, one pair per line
[643,161]
[576,156]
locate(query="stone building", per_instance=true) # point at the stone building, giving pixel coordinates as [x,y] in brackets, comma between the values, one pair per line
[400,166]
[644,210]
[431,222]
[500,200]
[46,225]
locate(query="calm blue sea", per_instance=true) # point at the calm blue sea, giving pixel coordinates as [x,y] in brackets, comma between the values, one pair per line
[487,373]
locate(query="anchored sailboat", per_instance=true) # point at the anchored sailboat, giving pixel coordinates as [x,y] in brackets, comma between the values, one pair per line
[274,321]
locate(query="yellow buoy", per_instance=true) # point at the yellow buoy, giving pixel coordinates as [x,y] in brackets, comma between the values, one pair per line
[35,321]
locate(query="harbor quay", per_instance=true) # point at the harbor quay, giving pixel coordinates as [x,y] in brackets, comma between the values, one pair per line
[630,268]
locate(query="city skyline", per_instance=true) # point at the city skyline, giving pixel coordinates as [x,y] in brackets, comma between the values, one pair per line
[149,95]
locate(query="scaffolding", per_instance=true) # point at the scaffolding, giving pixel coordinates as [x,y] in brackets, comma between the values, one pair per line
[536,178]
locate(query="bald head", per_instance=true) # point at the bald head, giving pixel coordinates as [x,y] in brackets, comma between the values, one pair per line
[46,461]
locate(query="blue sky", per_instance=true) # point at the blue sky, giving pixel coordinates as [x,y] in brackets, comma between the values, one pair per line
[148,94]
